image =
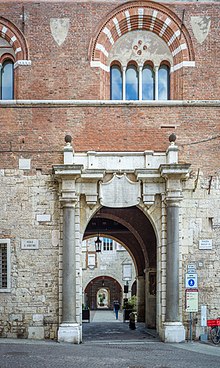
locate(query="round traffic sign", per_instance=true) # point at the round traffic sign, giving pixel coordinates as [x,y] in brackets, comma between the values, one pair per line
[191,282]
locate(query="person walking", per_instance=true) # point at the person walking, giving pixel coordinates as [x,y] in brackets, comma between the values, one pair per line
[116,308]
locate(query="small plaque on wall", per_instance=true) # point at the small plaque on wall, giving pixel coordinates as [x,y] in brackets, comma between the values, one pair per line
[29,244]
[205,244]
[24,163]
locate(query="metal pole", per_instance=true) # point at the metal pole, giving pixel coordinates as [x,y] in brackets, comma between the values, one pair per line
[190,326]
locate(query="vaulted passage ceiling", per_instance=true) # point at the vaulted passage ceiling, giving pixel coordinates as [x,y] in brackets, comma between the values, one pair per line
[130,227]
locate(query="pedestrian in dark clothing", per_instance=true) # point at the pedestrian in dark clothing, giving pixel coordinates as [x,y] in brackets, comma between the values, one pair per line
[116,308]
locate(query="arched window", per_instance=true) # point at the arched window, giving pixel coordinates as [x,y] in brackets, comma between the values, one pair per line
[7,80]
[148,83]
[116,83]
[164,82]
[131,83]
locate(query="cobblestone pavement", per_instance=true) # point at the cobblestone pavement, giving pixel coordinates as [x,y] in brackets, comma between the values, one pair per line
[120,354]
[109,345]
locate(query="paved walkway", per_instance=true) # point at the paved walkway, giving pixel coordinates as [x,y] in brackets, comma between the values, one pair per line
[104,327]
[105,316]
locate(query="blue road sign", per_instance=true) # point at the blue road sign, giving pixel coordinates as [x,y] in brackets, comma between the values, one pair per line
[191,281]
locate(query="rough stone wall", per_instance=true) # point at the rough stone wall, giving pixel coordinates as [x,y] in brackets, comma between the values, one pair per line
[200,220]
[31,308]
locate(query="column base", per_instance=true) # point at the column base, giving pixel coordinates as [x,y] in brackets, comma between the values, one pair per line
[173,332]
[70,332]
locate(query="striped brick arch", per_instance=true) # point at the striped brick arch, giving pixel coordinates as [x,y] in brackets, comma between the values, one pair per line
[143,15]
[15,38]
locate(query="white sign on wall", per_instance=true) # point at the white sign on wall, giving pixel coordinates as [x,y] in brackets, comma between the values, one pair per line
[127,271]
[91,260]
[29,243]
[205,244]
[192,300]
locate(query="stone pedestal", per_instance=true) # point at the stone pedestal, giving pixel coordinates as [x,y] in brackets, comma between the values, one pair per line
[70,332]
[173,332]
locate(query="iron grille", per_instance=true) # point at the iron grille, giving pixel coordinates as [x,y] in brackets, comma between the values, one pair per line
[3,266]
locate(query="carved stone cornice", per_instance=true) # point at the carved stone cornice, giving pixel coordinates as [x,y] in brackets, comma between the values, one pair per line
[174,174]
[174,171]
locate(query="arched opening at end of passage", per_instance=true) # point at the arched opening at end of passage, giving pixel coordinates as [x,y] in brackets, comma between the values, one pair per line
[100,293]
[131,227]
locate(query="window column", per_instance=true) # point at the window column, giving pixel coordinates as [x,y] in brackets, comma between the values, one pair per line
[124,83]
[156,69]
[140,69]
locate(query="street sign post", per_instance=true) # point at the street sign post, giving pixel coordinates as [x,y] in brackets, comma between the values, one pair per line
[191,297]
[192,304]
[191,281]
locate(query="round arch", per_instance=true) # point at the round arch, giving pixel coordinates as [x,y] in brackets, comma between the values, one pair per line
[15,38]
[131,226]
[142,15]
[99,283]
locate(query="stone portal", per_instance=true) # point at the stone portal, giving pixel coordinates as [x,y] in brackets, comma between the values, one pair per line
[141,194]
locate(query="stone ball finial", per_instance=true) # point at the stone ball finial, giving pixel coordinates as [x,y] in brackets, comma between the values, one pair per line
[68,138]
[172,138]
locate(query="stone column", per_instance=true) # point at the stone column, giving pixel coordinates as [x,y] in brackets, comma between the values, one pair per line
[173,328]
[172,262]
[69,330]
[174,173]
[140,298]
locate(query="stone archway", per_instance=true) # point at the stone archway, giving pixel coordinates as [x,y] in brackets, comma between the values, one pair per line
[146,180]
[96,286]
[131,227]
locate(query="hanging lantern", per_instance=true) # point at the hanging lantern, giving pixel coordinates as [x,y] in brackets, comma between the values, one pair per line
[98,244]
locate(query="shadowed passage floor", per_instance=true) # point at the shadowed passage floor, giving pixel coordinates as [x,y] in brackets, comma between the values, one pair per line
[103,326]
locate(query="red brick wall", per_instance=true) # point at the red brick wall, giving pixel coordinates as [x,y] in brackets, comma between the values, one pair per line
[32,131]
[64,72]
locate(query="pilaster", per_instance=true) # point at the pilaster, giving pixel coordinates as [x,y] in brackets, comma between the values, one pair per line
[140,298]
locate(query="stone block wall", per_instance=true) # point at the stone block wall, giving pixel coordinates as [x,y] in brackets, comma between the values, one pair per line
[200,221]
[30,309]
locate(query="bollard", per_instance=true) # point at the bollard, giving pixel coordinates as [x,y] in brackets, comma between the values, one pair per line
[132,325]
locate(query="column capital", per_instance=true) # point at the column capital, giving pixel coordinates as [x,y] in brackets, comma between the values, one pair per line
[173,200]
[69,202]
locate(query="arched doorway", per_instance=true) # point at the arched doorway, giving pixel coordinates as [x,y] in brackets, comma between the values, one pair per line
[101,293]
[141,206]
[130,227]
